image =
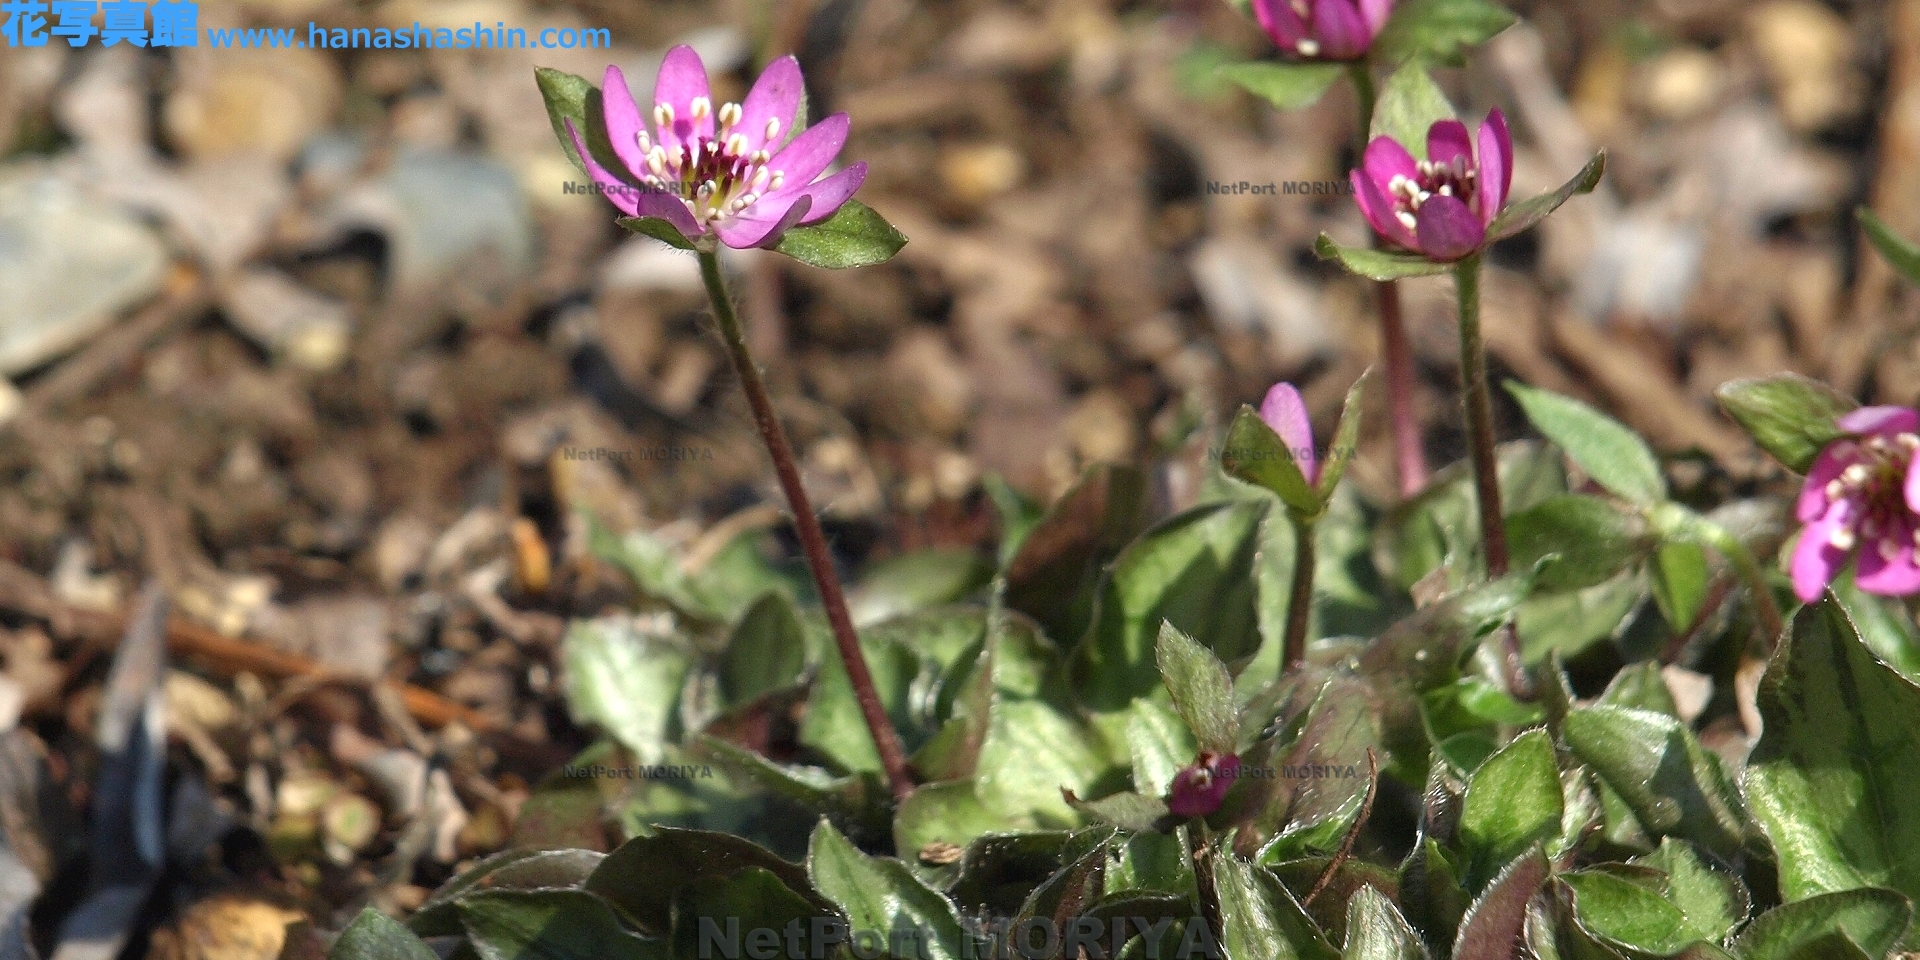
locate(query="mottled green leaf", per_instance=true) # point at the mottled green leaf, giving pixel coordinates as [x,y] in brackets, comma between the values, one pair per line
[1790,416]
[1288,86]
[1513,801]
[855,236]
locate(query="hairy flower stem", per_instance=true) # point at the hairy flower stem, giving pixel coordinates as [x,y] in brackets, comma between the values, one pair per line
[1293,651]
[1410,456]
[813,541]
[1478,400]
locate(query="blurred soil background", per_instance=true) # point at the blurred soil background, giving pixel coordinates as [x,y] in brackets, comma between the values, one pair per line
[320,343]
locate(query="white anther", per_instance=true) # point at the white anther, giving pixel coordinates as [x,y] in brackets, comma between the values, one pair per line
[736,144]
[729,115]
[779,177]
[1889,548]
[1308,48]
[644,140]
[1841,538]
[1446,189]
[1908,441]
[699,108]
[1408,219]
[773,129]
[1835,490]
[1855,475]
[656,162]
[759,157]
[663,115]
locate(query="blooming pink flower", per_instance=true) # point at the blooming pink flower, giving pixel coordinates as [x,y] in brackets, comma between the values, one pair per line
[1441,206]
[1863,494]
[721,169]
[1201,786]
[1286,413]
[1322,29]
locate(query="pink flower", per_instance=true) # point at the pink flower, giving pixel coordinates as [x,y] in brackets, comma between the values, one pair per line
[1286,413]
[1331,30]
[721,169]
[1441,206]
[1862,494]
[1200,787]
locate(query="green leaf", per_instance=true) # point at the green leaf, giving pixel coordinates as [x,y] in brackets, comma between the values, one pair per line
[854,799]
[1255,453]
[1591,540]
[1017,512]
[1492,927]
[1055,575]
[1513,801]
[1640,687]
[1679,576]
[1033,751]
[640,877]
[879,894]
[1569,622]
[1194,571]
[1202,690]
[1438,31]
[1519,216]
[1377,931]
[1613,455]
[1872,918]
[658,228]
[1410,103]
[1160,744]
[750,900]
[1624,913]
[1378,264]
[551,925]
[1300,815]
[1135,812]
[624,681]
[912,582]
[375,936]
[948,812]
[855,236]
[1790,416]
[1673,784]
[1288,86]
[1883,624]
[1346,437]
[833,723]
[1898,252]
[506,870]
[768,650]
[1831,780]
[1712,902]
[566,98]
[1262,920]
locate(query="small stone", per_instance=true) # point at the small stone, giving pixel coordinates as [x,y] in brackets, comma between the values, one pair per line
[1807,51]
[348,823]
[307,330]
[1683,83]
[251,102]
[940,853]
[976,173]
[1101,428]
[199,702]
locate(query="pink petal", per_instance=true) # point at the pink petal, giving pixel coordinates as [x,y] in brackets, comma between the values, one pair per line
[809,153]
[620,193]
[623,118]
[1286,413]
[829,193]
[1913,485]
[1815,558]
[775,96]
[1448,139]
[1338,27]
[1375,13]
[1378,208]
[1384,158]
[1813,493]
[682,80]
[1496,165]
[1880,420]
[762,224]
[1282,25]
[1894,577]
[1447,229]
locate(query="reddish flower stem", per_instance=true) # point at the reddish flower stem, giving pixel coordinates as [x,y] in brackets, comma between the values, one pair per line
[813,541]
[1293,649]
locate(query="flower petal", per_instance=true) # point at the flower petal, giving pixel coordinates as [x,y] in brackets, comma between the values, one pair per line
[682,80]
[618,192]
[809,153]
[1282,25]
[1826,468]
[1880,420]
[1448,139]
[1496,165]
[1447,229]
[1375,13]
[1894,576]
[1286,413]
[775,96]
[1815,558]
[1339,29]
[762,224]
[623,118]
[1378,208]
[1384,158]
[1913,485]
[829,193]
